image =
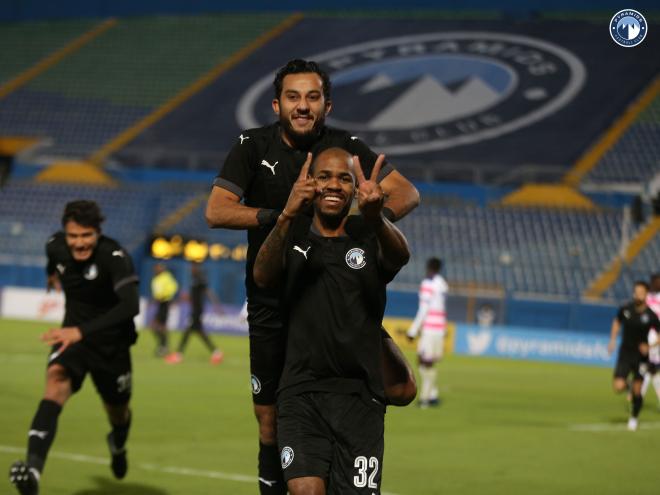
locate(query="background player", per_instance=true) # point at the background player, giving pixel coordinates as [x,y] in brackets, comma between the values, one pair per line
[199,291]
[163,289]
[331,396]
[261,168]
[101,292]
[636,319]
[653,372]
[431,318]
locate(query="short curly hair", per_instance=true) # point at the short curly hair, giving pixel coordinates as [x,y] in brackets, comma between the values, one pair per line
[300,66]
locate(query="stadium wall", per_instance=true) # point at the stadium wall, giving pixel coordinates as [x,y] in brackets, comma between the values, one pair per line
[514,310]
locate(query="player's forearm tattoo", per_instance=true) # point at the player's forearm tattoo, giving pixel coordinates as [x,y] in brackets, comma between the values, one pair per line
[269,264]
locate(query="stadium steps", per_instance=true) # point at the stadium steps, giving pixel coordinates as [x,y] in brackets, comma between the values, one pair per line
[229,60]
[180,213]
[609,276]
[132,75]
[53,58]
[26,44]
[605,145]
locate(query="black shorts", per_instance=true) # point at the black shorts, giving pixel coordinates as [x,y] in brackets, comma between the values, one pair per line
[628,362]
[267,350]
[162,311]
[337,437]
[111,373]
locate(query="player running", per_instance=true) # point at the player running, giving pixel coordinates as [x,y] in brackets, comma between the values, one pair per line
[636,319]
[101,292]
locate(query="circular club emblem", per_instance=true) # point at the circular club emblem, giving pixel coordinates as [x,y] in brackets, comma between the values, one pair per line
[355,258]
[286,457]
[91,272]
[628,28]
[256,385]
[435,91]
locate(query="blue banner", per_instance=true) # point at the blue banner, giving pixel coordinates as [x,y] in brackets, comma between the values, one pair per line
[534,344]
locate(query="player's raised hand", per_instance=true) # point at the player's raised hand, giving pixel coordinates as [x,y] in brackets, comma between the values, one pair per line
[302,192]
[65,336]
[370,194]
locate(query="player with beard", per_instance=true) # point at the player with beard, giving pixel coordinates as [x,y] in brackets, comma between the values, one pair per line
[332,270]
[101,292]
[636,319]
[250,192]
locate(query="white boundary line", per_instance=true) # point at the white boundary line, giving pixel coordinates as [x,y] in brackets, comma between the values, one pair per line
[182,471]
[600,427]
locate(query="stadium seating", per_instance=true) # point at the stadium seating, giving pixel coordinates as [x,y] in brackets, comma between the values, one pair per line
[635,158]
[116,79]
[535,251]
[30,212]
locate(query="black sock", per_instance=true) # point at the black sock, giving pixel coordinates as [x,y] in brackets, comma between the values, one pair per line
[207,341]
[42,433]
[184,340]
[120,433]
[636,405]
[271,478]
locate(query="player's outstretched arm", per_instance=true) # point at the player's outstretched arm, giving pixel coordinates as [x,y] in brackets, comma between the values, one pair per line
[614,331]
[269,264]
[224,210]
[127,307]
[401,195]
[419,319]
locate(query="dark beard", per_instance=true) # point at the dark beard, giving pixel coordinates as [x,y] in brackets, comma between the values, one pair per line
[333,220]
[302,140]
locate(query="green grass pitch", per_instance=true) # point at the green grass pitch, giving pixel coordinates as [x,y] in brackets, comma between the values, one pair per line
[504,427]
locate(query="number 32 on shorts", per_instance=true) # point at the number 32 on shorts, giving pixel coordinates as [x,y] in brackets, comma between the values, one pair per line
[362,464]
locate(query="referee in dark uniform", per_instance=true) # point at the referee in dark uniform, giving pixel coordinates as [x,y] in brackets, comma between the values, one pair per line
[332,270]
[260,170]
[636,319]
[101,293]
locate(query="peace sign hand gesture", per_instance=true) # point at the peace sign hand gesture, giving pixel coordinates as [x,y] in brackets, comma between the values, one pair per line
[370,194]
[302,193]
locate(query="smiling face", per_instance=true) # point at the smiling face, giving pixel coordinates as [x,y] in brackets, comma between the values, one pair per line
[335,179]
[81,240]
[301,108]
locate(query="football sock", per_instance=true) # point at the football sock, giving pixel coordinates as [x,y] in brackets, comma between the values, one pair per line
[42,433]
[428,382]
[645,383]
[656,384]
[636,405]
[207,341]
[184,340]
[120,433]
[271,478]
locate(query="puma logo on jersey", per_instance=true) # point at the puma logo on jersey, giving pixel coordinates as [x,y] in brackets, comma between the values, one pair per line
[354,138]
[243,138]
[37,433]
[60,268]
[119,253]
[271,167]
[300,250]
